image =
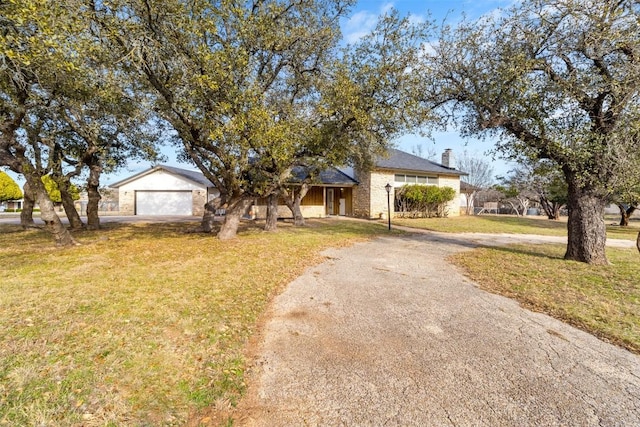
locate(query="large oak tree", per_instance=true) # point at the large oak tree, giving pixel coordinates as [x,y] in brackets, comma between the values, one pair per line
[256,88]
[555,79]
[234,79]
[34,54]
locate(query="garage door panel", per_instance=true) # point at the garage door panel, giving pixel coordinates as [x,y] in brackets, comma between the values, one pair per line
[163,203]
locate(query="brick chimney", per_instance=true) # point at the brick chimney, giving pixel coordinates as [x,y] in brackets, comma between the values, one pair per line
[447,159]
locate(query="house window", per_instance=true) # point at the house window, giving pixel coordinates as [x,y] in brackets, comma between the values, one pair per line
[416,179]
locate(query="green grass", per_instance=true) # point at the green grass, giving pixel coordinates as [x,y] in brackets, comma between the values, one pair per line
[603,300]
[511,225]
[144,324]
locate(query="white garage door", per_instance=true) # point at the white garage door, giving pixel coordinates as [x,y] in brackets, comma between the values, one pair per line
[163,203]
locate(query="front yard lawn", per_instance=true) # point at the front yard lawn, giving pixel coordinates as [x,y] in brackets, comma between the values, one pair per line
[143,324]
[603,300]
[510,225]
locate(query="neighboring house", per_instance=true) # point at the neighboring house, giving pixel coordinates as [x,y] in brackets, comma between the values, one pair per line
[165,190]
[11,205]
[399,169]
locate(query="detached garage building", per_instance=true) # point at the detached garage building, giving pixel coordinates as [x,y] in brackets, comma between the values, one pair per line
[164,190]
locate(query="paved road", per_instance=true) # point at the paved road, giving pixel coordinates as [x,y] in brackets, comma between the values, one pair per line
[388,333]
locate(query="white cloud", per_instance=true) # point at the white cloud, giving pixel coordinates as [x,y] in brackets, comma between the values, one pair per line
[362,22]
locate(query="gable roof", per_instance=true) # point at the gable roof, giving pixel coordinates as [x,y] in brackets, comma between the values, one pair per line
[191,175]
[331,176]
[402,160]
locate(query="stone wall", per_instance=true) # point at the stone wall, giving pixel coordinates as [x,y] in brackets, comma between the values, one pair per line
[361,197]
[199,198]
[370,196]
[126,201]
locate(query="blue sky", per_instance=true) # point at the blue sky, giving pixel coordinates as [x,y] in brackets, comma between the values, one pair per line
[362,19]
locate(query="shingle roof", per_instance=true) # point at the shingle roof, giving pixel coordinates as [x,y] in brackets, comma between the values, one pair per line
[192,175]
[401,160]
[196,176]
[330,176]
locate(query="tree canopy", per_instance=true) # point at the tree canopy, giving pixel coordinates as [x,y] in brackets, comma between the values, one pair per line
[254,89]
[9,190]
[555,80]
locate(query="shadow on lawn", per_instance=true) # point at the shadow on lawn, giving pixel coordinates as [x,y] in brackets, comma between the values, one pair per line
[538,251]
[169,229]
[538,222]
[541,250]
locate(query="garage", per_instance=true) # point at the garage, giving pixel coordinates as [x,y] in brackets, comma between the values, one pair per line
[164,203]
[164,190]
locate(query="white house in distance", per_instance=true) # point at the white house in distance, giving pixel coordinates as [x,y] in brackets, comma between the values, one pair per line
[166,190]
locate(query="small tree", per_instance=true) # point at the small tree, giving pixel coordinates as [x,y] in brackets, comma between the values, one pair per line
[9,190]
[54,191]
[479,177]
[514,197]
[626,210]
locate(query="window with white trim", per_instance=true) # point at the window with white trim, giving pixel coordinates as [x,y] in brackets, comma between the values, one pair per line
[416,179]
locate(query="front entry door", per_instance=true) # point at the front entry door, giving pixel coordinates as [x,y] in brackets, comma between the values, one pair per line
[330,201]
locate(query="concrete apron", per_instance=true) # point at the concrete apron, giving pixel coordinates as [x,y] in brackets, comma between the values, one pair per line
[388,333]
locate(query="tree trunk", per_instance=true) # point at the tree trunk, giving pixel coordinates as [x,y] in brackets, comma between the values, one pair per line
[208,218]
[513,206]
[469,199]
[586,228]
[235,210]
[625,213]
[624,218]
[293,201]
[75,223]
[272,213]
[552,209]
[52,222]
[29,201]
[298,219]
[93,195]
[638,242]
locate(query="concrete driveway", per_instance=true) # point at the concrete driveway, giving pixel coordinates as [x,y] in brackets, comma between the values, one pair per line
[15,218]
[387,333]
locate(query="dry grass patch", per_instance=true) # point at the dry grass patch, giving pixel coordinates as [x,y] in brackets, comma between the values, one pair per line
[510,225]
[603,300]
[143,324]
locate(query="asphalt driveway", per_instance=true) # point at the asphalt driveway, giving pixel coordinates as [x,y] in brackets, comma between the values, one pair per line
[388,333]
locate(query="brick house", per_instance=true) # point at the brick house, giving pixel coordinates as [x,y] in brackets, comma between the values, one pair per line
[398,169]
[166,190]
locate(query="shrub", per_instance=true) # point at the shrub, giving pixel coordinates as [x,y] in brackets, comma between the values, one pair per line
[423,201]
